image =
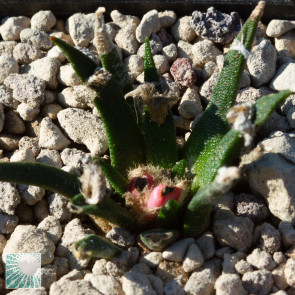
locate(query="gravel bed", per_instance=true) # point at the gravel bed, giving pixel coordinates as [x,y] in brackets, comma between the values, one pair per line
[47,116]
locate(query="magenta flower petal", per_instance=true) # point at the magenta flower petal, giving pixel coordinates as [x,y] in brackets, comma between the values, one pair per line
[161,194]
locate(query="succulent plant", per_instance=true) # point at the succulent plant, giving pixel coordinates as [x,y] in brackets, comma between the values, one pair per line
[163,193]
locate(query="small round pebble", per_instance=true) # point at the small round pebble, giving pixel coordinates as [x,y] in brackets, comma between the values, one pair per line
[182,72]
[182,29]
[25,53]
[43,20]
[258,282]
[229,284]
[121,237]
[51,226]
[251,206]
[243,266]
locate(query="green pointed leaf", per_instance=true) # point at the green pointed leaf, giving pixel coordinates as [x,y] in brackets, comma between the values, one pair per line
[126,143]
[161,145]
[197,215]
[113,63]
[48,177]
[179,169]
[212,126]
[95,246]
[112,212]
[267,104]
[150,71]
[228,150]
[115,178]
[83,65]
[168,215]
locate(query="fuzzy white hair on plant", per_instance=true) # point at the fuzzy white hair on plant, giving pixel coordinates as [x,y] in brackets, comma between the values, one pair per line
[239,46]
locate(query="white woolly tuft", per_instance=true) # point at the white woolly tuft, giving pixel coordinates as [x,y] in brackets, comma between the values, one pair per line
[240,47]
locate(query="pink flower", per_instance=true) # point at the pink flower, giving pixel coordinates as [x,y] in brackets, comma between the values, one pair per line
[161,194]
[138,184]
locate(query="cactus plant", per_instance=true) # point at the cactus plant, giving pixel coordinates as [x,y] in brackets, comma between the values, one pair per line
[164,193]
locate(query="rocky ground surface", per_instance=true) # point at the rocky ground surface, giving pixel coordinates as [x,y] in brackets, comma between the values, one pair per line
[46,116]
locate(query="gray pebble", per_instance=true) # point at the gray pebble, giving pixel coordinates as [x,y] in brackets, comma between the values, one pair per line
[121,237]
[182,29]
[252,206]
[170,52]
[261,63]
[136,283]
[123,262]
[243,266]
[26,239]
[10,198]
[22,155]
[216,26]
[62,266]
[7,47]
[31,194]
[193,258]
[261,259]
[123,20]
[8,65]
[26,88]
[152,259]
[270,240]
[37,38]
[206,244]
[73,287]
[190,105]
[167,18]
[230,260]
[288,233]
[149,24]
[58,207]
[127,41]
[51,226]
[67,76]
[177,250]
[49,157]
[233,231]
[45,68]
[277,27]
[40,210]
[7,223]
[258,282]
[202,281]
[83,127]
[174,287]
[11,28]
[81,28]
[107,285]
[74,157]
[51,136]
[48,276]
[43,20]
[229,284]
[25,53]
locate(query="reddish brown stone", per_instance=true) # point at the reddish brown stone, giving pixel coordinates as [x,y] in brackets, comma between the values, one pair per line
[182,72]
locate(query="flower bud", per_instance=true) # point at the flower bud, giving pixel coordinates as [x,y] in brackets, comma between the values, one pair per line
[161,194]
